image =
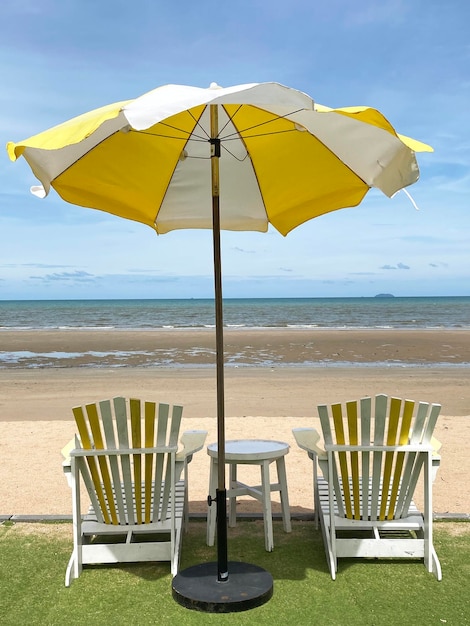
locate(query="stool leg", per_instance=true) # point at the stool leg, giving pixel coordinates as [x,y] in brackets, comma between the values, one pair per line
[282,478]
[267,509]
[212,510]
[232,500]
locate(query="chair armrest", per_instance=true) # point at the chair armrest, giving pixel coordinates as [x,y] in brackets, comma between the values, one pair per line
[66,463]
[65,452]
[193,441]
[436,457]
[307,439]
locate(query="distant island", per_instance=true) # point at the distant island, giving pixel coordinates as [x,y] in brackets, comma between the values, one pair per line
[384,295]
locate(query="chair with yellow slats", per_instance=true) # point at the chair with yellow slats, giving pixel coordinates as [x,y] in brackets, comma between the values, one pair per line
[126,453]
[377,452]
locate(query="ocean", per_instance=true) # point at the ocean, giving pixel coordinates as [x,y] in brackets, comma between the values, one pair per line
[340,313]
[452,313]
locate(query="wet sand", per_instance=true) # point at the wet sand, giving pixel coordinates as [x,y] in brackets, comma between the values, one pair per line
[243,346]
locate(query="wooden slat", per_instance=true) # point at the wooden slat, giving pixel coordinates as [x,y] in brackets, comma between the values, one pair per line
[122,425]
[149,442]
[403,439]
[114,462]
[93,464]
[167,481]
[176,414]
[352,415]
[84,468]
[136,433]
[380,417]
[420,422]
[324,414]
[99,443]
[366,411]
[163,413]
[391,440]
[431,423]
[413,462]
[337,413]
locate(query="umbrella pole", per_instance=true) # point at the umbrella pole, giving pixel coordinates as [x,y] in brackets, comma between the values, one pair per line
[248,586]
[221,492]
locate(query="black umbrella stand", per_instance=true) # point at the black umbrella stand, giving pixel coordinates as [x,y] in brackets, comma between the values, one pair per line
[222,586]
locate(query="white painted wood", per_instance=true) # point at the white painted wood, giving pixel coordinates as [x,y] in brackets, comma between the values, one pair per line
[130,472]
[396,447]
[283,492]
[308,439]
[250,452]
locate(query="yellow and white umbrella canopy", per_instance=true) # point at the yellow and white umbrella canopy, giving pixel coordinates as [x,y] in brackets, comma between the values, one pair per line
[283,158]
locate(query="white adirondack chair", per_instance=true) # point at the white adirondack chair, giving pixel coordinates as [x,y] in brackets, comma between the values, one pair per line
[375,450]
[126,453]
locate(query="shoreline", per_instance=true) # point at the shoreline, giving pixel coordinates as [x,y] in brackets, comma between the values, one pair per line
[242,347]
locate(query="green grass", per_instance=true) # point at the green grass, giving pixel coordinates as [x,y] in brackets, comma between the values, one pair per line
[33,558]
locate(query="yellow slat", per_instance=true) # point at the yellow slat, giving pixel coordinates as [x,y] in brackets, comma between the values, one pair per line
[95,427]
[343,463]
[149,417]
[351,410]
[402,440]
[391,440]
[93,463]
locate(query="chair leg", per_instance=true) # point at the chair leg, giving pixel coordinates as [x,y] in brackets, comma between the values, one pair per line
[74,567]
[70,571]
[330,556]
[431,560]
[175,562]
[436,566]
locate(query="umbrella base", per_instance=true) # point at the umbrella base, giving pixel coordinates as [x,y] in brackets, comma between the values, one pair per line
[247,587]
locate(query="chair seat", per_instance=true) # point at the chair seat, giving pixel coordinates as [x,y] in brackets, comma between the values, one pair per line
[413,517]
[91,525]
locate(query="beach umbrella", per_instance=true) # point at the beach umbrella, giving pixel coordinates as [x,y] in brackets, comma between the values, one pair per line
[236,158]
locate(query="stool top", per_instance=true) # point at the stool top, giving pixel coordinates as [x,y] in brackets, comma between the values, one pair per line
[244,450]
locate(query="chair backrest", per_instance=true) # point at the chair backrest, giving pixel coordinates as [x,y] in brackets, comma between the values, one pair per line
[126,455]
[379,446]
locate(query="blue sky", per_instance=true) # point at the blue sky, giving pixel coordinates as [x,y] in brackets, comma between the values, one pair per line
[408,58]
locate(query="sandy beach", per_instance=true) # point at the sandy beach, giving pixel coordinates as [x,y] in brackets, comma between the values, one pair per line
[261,402]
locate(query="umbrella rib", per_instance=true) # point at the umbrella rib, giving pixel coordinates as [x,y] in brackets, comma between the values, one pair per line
[275,119]
[229,120]
[196,138]
[207,136]
[203,137]
[231,154]
[276,132]
[82,156]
